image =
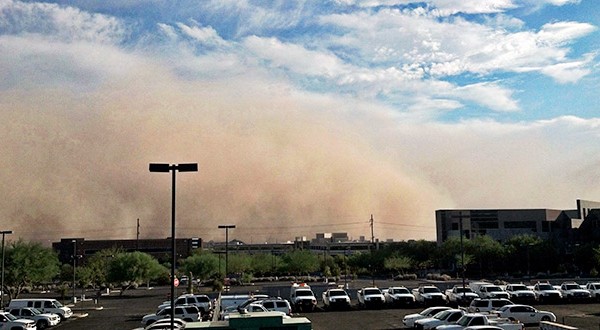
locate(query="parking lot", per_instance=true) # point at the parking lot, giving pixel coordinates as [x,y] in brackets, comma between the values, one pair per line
[125,312]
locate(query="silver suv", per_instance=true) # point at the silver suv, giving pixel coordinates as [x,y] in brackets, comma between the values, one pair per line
[276,304]
[487,305]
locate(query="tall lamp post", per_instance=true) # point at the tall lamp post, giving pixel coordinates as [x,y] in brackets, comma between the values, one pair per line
[4,232]
[74,266]
[226,227]
[189,167]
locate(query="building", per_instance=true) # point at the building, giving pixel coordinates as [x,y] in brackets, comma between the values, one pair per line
[158,248]
[501,224]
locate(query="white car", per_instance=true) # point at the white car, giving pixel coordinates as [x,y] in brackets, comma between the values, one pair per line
[186,313]
[398,296]
[449,316]
[165,324]
[594,288]
[250,309]
[370,297]
[410,319]
[572,291]
[545,292]
[336,298]
[520,292]
[525,314]
[42,320]
[276,305]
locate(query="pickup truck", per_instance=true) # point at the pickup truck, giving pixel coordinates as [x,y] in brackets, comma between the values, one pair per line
[594,289]
[302,298]
[370,298]
[573,291]
[520,293]
[546,292]
[398,296]
[336,298]
[492,291]
[42,320]
[429,295]
[460,296]
[481,319]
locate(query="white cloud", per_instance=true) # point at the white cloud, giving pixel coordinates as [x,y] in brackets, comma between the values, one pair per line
[490,95]
[59,22]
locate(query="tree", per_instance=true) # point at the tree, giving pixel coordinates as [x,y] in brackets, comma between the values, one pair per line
[95,270]
[397,263]
[26,264]
[203,265]
[133,268]
[301,262]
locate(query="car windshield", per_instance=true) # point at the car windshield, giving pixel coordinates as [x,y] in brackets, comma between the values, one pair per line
[35,311]
[442,315]
[431,290]
[503,308]
[519,287]
[372,291]
[10,317]
[57,304]
[464,320]
[304,293]
[494,289]
[461,290]
[395,291]
[571,286]
[337,293]
[426,311]
[545,287]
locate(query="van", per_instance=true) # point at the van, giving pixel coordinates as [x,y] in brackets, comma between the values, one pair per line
[44,305]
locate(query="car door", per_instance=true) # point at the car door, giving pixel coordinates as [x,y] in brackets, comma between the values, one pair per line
[522,313]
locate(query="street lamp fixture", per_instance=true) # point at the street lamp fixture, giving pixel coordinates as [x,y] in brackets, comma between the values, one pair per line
[226,227]
[4,232]
[189,167]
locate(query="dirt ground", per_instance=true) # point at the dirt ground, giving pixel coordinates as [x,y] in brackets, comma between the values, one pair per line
[126,311]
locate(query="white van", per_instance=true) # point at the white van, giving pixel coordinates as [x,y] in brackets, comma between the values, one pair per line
[44,305]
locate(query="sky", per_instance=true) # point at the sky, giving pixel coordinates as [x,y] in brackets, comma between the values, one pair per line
[304,116]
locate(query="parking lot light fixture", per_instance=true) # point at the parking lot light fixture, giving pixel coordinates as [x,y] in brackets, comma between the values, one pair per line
[160,167]
[3,232]
[226,227]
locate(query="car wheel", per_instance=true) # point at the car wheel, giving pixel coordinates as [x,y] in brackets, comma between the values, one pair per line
[42,324]
[546,318]
[149,322]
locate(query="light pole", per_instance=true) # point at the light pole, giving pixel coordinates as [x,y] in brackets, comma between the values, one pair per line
[4,232]
[74,266]
[226,227]
[190,167]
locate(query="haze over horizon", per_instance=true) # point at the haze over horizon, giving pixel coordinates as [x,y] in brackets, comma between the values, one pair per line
[303,117]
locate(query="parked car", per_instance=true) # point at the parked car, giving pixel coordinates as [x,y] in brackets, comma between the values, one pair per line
[9,321]
[520,292]
[252,308]
[398,296]
[460,296]
[571,291]
[410,319]
[44,305]
[429,295]
[201,301]
[186,313]
[302,298]
[525,314]
[42,320]
[487,305]
[492,291]
[370,297]
[449,316]
[477,319]
[545,292]
[594,288]
[336,298]
[165,324]
[276,305]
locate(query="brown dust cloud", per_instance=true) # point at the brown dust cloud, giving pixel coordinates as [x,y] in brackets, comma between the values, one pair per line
[273,164]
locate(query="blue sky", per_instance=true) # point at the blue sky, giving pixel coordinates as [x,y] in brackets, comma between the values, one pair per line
[313,114]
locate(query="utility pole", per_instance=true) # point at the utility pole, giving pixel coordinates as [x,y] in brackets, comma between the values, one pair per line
[137,236]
